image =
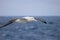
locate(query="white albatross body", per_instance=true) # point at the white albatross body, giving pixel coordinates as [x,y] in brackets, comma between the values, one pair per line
[26,19]
[23,20]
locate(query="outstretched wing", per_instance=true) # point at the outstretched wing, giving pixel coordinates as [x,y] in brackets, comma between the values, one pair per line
[11,21]
[42,20]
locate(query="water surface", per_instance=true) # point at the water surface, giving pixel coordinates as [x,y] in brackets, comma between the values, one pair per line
[31,31]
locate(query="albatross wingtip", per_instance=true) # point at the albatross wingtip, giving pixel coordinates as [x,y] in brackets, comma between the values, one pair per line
[45,22]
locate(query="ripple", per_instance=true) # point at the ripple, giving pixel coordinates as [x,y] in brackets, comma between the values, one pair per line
[17,27]
[4,34]
[8,39]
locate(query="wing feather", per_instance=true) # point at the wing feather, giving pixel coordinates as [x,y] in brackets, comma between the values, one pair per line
[10,22]
[42,20]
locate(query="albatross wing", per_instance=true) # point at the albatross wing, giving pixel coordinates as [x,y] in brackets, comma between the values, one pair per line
[42,20]
[11,21]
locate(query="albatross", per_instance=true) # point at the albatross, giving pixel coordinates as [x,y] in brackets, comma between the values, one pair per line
[24,20]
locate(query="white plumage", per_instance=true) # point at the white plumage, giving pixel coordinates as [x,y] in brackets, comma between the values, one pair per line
[24,19]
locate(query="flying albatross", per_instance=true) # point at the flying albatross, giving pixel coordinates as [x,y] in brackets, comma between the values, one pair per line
[23,20]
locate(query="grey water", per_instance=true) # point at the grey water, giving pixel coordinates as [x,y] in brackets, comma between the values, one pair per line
[31,31]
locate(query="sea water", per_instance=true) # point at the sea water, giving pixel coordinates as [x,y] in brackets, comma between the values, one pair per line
[32,30]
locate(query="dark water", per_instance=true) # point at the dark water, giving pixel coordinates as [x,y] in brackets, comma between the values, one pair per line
[31,31]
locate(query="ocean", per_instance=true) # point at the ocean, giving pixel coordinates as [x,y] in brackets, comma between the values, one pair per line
[32,30]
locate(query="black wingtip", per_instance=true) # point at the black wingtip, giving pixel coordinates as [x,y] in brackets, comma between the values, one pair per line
[45,22]
[1,27]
